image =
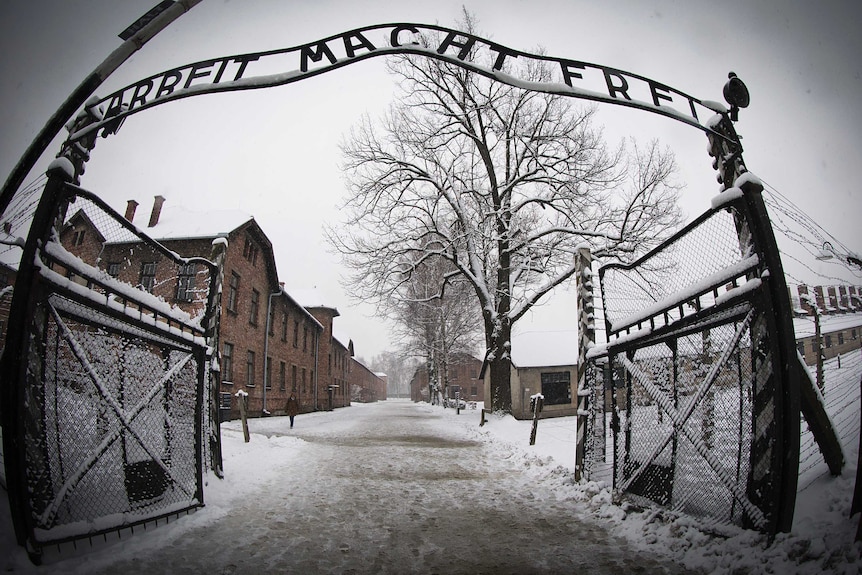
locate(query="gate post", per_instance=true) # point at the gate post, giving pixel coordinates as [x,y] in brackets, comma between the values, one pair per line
[586,340]
[777,386]
[15,358]
[217,256]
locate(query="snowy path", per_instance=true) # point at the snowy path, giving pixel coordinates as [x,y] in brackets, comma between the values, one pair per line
[392,487]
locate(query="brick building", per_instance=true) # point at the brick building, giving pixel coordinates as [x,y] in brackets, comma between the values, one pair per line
[366,386]
[271,344]
[839,315]
[463,370]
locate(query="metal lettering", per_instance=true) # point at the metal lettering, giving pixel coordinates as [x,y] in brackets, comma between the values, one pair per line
[612,86]
[316,56]
[502,53]
[656,95]
[350,47]
[614,89]
[243,62]
[199,70]
[138,96]
[168,87]
[568,74]
[394,40]
[450,41]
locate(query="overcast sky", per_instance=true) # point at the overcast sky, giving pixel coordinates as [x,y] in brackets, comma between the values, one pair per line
[274,152]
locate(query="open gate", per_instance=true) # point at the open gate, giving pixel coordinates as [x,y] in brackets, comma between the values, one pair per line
[706,408]
[105,388]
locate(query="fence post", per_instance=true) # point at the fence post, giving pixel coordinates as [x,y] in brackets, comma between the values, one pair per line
[537,402]
[586,340]
[242,399]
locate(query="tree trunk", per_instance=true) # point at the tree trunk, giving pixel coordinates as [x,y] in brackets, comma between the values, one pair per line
[501,369]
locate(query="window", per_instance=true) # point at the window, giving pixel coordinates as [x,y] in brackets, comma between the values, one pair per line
[148,276]
[303,380]
[233,292]
[284,327]
[295,333]
[853,334]
[269,372]
[249,369]
[556,387]
[114,269]
[227,363]
[282,383]
[78,238]
[828,340]
[800,346]
[249,251]
[304,338]
[269,321]
[840,338]
[224,400]
[255,305]
[186,282]
[293,376]
[474,391]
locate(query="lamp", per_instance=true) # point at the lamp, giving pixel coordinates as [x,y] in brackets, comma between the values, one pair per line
[736,94]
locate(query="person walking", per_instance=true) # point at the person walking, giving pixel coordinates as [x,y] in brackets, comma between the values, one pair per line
[292,408]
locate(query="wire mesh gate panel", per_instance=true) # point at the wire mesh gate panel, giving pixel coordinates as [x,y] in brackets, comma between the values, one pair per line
[700,425]
[105,385]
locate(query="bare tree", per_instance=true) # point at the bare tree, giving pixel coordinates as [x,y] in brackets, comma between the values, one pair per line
[432,323]
[502,183]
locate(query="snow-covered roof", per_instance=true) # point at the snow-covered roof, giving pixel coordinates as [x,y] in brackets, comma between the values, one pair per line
[179,222]
[312,297]
[545,348]
[340,335]
[804,326]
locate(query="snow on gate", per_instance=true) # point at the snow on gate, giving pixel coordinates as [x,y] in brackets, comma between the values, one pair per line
[105,404]
[696,403]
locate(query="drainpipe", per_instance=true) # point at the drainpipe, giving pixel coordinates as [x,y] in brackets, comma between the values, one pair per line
[266,369]
[316,366]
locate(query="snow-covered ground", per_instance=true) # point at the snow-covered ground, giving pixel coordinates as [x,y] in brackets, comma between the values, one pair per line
[395,533]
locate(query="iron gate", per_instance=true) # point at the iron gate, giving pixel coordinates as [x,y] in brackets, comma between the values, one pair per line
[705,408]
[104,384]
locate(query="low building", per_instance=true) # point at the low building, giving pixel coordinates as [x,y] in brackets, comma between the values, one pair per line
[841,333]
[543,362]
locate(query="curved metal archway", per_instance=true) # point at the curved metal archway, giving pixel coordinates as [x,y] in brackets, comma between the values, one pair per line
[571,78]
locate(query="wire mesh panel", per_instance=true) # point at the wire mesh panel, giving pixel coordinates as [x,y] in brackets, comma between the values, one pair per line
[685,275]
[699,425]
[694,395]
[108,376]
[117,425]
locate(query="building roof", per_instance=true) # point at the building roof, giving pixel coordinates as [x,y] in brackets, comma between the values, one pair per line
[804,326]
[179,222]
[313,298]
[545,348]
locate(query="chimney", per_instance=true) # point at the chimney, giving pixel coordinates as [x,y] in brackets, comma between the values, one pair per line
[130,210]
[158,201]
